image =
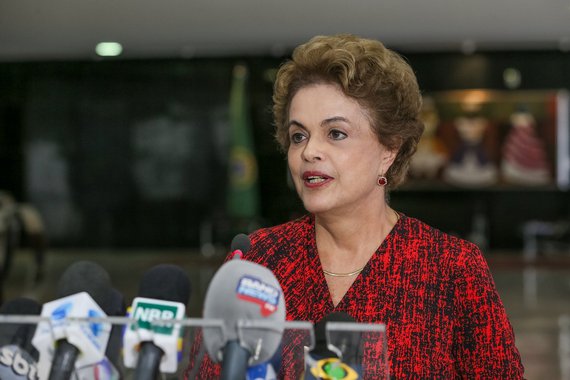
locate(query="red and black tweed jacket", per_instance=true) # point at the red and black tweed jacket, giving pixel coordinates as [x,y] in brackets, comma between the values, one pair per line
[444,318]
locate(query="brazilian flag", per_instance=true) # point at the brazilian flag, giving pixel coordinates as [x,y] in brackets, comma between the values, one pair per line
[242,196]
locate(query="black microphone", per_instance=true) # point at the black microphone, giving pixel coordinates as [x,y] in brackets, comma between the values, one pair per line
[116,308]
[164,292]
[240,245]
[24,331]
[84,291]
[87,276]
[111,365]
[331,353]
[243,291]
[321,342]
[18,358]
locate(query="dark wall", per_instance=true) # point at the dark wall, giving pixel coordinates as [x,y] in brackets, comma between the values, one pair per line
[133,153]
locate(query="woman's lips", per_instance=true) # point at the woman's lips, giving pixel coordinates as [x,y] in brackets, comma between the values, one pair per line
[315,179]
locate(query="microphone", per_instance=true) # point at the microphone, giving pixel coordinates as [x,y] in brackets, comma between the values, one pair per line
[263,371]
[267,370]
[110,367]
[24,331]
[163,293]
[18,358]
[116,308]
[328,361]
[240,245]
[243,291]
[85,291]
[17,364]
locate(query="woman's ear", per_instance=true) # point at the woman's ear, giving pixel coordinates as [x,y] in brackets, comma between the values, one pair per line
[388,157]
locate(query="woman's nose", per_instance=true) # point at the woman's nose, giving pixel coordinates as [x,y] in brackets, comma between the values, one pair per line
[313,150]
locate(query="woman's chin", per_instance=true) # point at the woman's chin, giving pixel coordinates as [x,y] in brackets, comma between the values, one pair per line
[316,208]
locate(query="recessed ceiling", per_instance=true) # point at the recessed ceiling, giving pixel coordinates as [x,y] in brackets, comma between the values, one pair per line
[70,29]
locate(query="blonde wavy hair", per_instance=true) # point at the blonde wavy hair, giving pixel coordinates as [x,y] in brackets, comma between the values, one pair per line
[365,70]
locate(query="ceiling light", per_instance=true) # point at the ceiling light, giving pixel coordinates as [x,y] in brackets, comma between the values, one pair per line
[512,78]
[108,49]
[468,47]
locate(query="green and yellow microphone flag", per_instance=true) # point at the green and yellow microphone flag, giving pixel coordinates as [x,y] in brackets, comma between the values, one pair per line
[242,195]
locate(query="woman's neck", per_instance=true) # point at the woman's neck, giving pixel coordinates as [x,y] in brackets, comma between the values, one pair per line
[354,237]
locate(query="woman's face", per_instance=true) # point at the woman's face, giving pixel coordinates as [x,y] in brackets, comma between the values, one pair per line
[334,156]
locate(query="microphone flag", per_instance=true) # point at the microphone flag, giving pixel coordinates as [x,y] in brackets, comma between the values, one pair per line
[89,337]
[146,312]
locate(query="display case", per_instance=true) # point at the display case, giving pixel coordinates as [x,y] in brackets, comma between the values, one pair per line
[490,139]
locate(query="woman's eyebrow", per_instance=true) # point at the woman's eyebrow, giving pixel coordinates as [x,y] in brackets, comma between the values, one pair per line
[334,119]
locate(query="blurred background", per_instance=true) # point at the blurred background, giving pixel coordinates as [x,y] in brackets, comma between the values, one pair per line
[135,133]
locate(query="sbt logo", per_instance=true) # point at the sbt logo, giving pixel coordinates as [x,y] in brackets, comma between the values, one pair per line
[145,313]
[18,362]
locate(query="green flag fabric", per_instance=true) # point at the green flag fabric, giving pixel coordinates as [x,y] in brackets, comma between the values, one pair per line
[242,196]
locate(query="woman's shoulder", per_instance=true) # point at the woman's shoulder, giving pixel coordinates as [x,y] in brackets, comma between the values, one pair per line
[291,230]
[438,242]
[282,238]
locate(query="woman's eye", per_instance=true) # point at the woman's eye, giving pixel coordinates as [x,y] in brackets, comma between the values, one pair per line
[296,138]
[337,135]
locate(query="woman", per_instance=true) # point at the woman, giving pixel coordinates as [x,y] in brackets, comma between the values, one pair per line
[347,115]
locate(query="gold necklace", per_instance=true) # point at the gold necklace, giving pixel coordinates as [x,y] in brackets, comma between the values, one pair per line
[349,274]
[353,273]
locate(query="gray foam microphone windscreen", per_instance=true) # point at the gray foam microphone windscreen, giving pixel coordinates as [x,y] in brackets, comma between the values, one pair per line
[243,290]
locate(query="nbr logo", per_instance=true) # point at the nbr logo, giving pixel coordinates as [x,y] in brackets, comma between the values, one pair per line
[145,313]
